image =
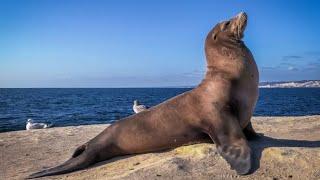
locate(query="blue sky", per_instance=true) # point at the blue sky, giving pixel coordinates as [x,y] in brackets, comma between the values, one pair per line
[147,43]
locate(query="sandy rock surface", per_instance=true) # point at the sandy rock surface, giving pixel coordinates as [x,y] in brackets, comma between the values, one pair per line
[289,149]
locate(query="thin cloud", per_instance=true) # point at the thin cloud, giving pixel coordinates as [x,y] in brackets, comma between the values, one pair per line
[268,68]
[195,73]
[312,53]
[287,64]
[312,66]
[291,68]
[315,64]
[311,69]
[292,58]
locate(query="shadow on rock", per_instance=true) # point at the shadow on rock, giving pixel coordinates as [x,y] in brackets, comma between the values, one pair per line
[263,142]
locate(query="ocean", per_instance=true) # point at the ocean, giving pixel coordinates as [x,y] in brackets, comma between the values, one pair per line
[66,107]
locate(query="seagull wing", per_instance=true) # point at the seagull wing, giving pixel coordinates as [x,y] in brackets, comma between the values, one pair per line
[38,125]
[141,108]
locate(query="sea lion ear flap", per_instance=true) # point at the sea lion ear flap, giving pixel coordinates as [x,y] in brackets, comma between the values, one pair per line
[214,36]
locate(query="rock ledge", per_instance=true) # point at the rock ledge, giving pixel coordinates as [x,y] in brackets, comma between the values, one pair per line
[289,149]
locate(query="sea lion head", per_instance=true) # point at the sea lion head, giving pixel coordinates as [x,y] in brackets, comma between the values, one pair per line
[230,30]
[224,46]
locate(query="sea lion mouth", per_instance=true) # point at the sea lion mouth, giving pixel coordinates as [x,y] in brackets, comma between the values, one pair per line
[239,24]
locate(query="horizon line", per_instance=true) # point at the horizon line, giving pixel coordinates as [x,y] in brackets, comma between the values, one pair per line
[182,86]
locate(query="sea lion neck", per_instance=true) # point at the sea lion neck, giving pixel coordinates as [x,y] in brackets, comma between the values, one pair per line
[225,60]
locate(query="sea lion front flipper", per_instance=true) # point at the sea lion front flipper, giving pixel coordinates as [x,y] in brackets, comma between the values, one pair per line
[232,144]
[238,155]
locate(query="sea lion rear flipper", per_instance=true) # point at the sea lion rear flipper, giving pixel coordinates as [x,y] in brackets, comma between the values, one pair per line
[79,160]
[232,144]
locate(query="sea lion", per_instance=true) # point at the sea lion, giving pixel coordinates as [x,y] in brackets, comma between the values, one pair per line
[220,107]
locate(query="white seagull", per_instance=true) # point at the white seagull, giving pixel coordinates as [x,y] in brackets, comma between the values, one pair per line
[138,108]
[32,125]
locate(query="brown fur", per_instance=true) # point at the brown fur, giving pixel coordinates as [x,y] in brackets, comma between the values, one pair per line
[219,107]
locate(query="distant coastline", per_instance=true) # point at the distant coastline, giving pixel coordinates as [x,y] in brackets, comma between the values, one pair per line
[278,84]
[291,84]
[274,84]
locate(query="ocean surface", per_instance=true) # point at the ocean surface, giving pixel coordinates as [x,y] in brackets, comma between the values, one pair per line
[65,107]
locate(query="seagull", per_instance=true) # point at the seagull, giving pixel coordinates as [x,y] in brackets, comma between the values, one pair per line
[138,108]
[31,125]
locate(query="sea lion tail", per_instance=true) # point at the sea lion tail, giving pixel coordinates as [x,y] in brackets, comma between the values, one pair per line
[79,160]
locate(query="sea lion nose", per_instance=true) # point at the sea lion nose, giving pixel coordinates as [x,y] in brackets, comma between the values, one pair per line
[242,15]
